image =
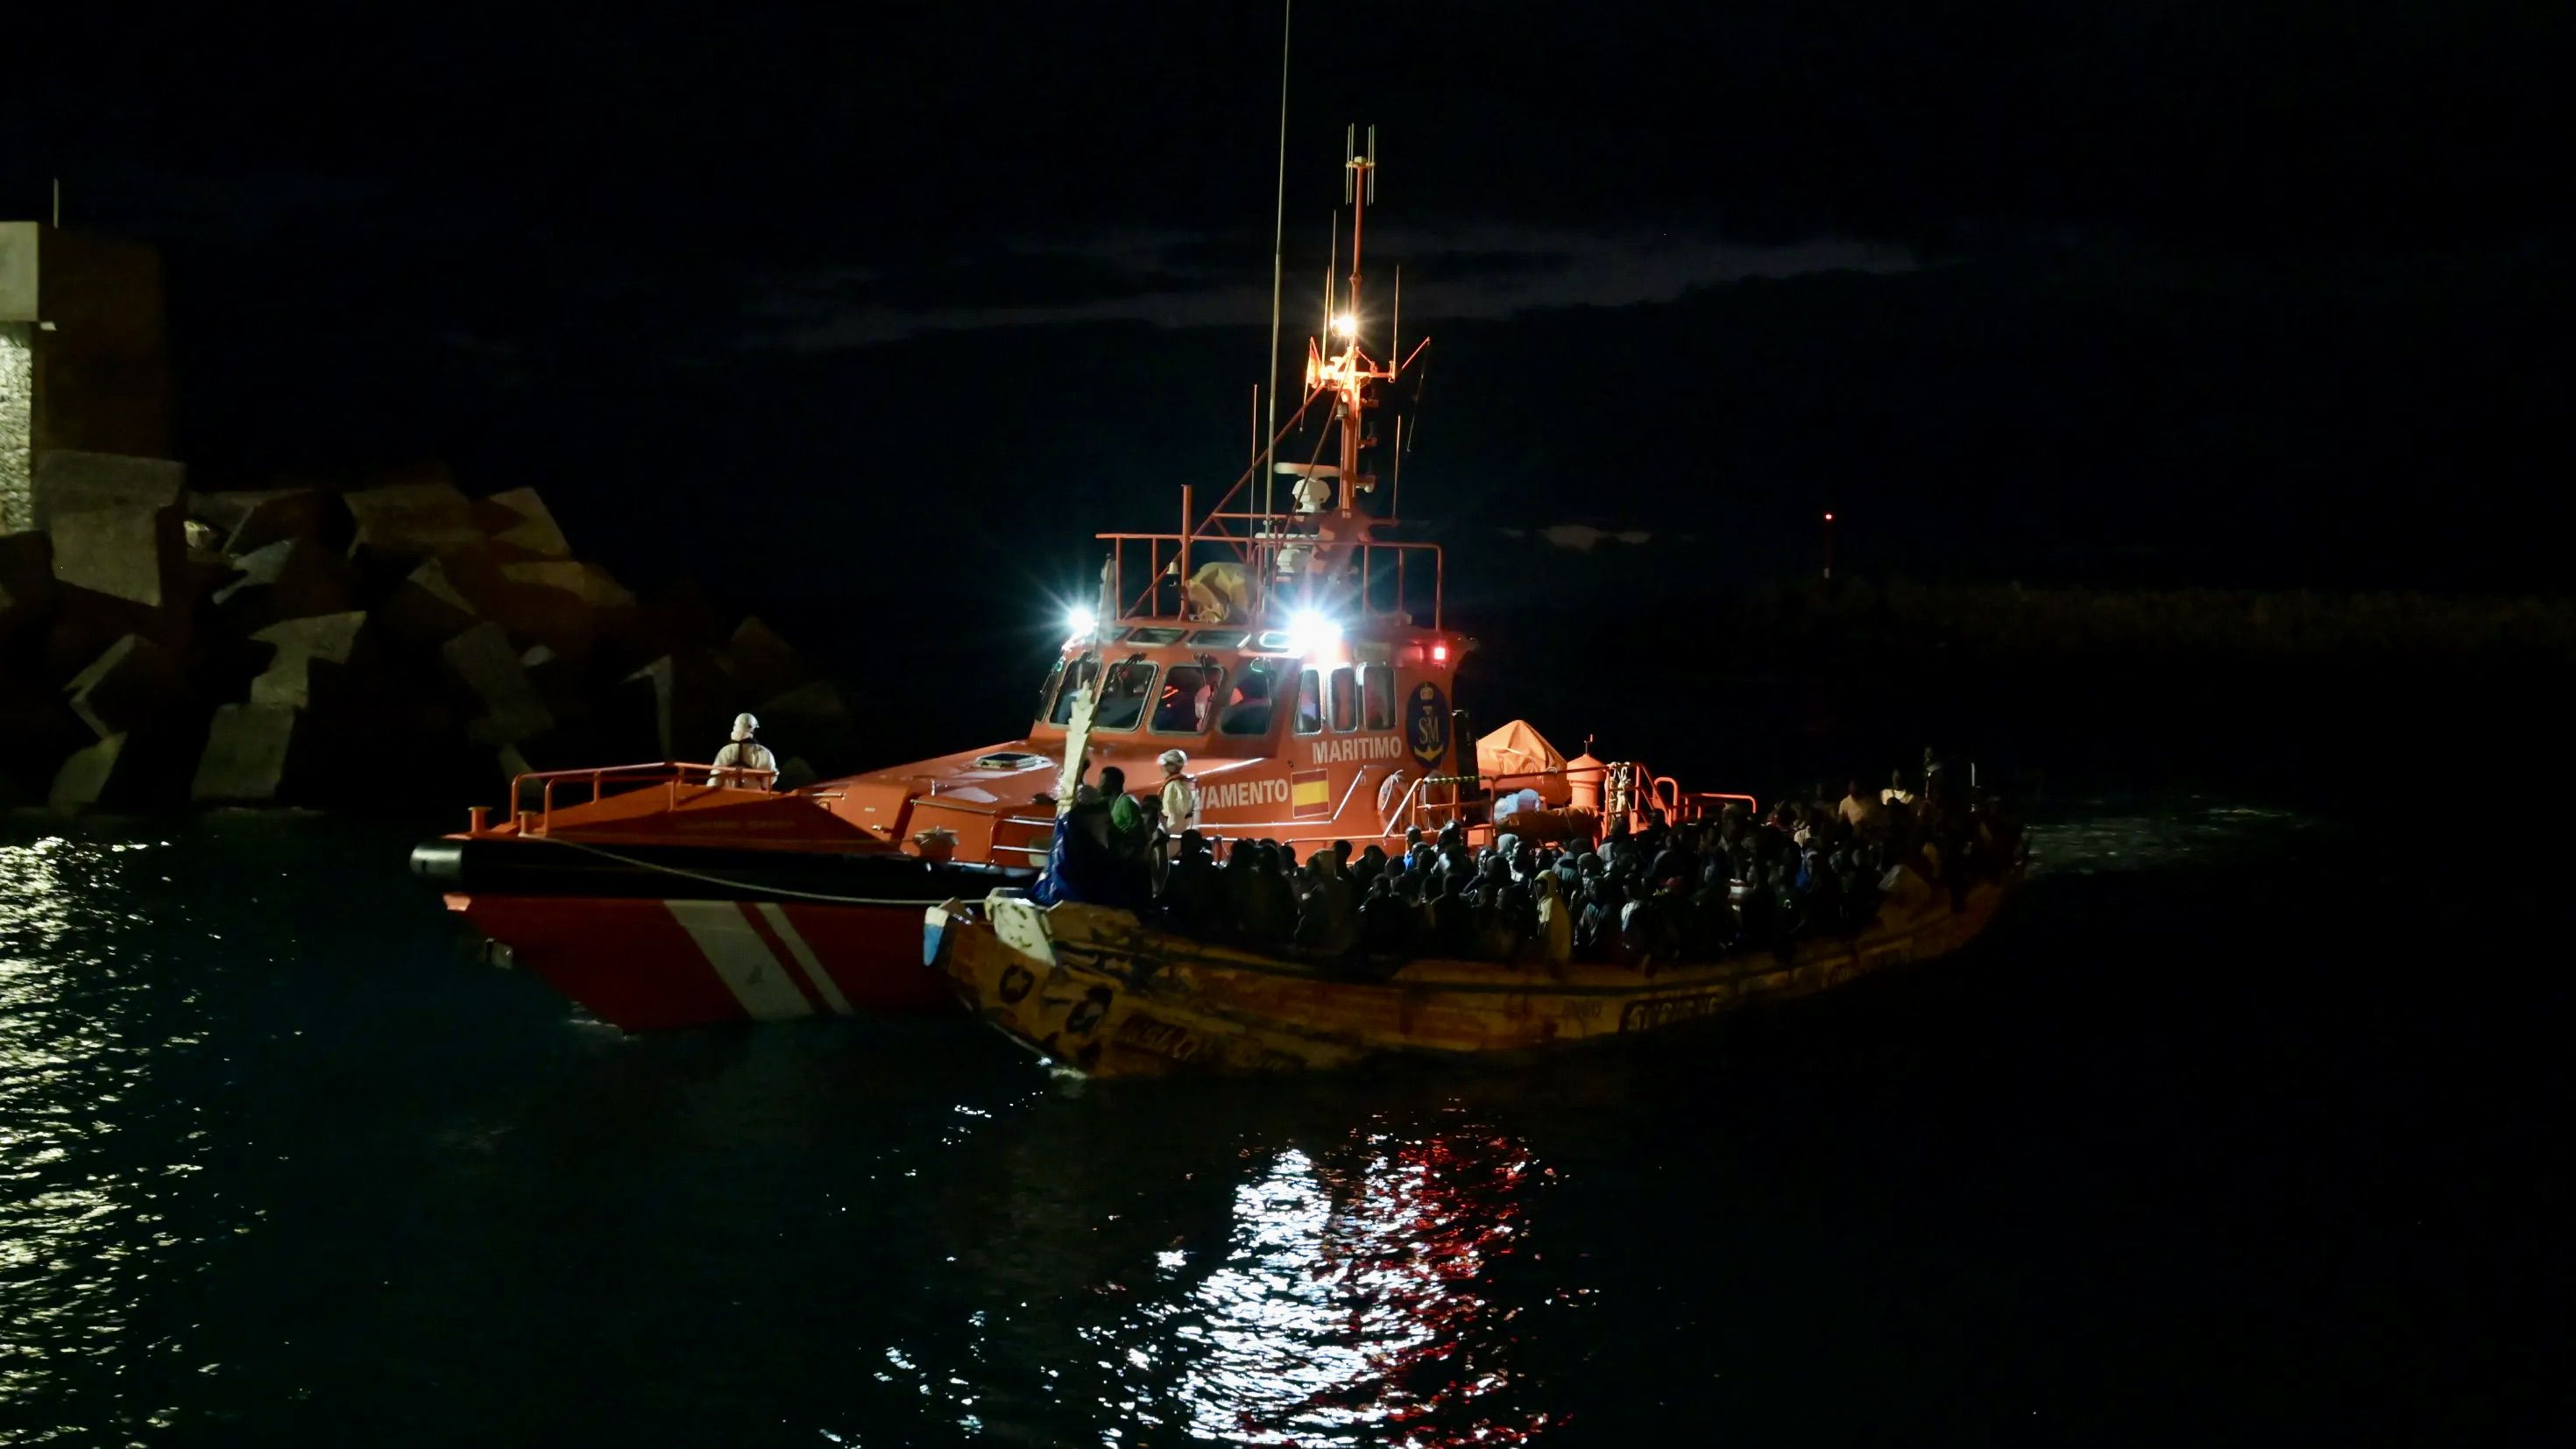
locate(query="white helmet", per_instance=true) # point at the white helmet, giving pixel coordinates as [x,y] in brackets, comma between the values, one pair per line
[743,725]
[1174,759]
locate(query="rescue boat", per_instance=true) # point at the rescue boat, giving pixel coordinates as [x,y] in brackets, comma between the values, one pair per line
[1299,657]
[1099,993]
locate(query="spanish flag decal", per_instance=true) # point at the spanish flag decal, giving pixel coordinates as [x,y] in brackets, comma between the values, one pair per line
[1311,792]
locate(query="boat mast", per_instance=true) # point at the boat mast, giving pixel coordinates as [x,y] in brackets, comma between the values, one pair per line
[1348,372]
[1278,266]
[1359,188]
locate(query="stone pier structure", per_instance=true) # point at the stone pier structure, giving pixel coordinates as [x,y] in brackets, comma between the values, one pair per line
[84,364]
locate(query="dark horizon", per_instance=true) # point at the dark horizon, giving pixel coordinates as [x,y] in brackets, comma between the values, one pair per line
[2268,296]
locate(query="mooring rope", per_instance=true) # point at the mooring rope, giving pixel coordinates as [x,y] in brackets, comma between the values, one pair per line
[699,875]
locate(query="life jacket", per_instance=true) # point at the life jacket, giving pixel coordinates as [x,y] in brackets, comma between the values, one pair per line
[1190,792]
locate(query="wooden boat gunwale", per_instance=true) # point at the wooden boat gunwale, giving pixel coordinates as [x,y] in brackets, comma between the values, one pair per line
[1175,981]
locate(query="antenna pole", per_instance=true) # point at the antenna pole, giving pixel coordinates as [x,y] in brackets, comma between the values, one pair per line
[1278,257]
[58,203]
[1395,503]
[1332,259]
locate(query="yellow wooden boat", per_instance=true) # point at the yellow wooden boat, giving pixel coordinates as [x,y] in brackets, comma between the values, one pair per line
[1098,992]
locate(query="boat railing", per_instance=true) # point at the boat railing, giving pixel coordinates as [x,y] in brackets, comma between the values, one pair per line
[1387,582]
[1436,800]
[600,782]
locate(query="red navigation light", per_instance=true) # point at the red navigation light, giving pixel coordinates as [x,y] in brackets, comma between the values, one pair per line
[1439,653]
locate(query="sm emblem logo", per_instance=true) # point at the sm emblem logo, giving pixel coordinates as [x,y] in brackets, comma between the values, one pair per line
[1426,725]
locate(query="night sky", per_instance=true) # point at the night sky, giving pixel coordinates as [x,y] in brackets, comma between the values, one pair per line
[2233,293]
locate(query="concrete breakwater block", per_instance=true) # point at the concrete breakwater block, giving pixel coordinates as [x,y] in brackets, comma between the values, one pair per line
[521,526]
[37,729]
[430,605]
[690,699]
[133,553]
[565,606]
[257,518]
[401,521]
[486,663]
[293,578]
[68,481]
[766,664]
[86,777]
[325,639]
[819,721]
[247,750]
[26,580]
[594,586]
[126,687]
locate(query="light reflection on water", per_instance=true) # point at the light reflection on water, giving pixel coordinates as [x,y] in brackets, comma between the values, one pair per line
[276,1166]
[1349,1299]
[82,1221]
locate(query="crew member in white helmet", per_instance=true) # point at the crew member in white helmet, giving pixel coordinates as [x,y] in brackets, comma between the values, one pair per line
[737,763]
[1180,795]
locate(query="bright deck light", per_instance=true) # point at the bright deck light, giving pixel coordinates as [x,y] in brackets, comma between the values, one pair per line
[1347,324]
[1081,621]
[1309,630]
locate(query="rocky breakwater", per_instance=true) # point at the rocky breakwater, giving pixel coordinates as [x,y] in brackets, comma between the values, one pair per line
[392,644]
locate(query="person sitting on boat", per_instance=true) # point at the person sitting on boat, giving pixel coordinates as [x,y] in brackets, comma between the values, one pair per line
[1862,810]
[1423,857]
[1492,938]
[1370,868]
[1257,892]
[1456,915]
[1596,931]
[1898,791]
[1080,865]
[1712,912]
[1554,937]
[1194,892]
[1327,918]
[745,764]
[1384,915]
[1107,811]
[1674,862]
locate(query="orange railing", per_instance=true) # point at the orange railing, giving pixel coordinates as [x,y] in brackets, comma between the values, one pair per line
[602,780]
[1387,580]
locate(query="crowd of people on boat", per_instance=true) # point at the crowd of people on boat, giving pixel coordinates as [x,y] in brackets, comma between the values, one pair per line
[1664,892]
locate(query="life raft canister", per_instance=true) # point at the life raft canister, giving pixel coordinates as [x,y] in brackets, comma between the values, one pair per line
[1583,777]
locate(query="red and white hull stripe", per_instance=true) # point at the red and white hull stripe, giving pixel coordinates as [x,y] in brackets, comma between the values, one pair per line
[647,964]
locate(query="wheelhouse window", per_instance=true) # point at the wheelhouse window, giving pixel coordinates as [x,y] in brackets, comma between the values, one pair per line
[1075,675]
[1046,691]
[1346,712]
[1247,711]
[1377,694]
[1123,695]
[1187,705]
[1310,704]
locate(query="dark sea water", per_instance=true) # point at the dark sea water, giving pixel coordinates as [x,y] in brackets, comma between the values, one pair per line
[2239,1127]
